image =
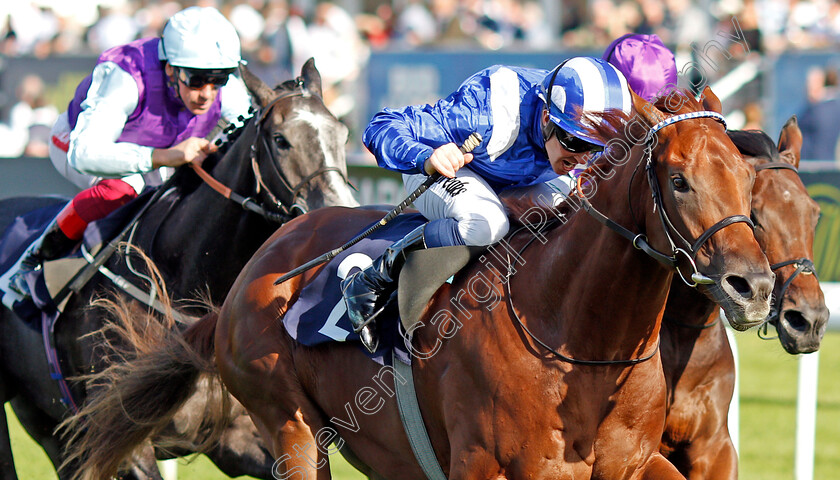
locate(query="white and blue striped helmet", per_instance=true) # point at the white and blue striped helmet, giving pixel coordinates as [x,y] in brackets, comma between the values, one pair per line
[583,85]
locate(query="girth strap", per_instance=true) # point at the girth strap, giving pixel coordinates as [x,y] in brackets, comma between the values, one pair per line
[147,298]
[412,421]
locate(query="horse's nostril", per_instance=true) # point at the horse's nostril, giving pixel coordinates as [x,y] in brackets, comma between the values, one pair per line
[740,285]
[796,320]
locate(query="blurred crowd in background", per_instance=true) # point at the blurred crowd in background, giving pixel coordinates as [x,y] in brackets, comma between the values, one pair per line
[279,35]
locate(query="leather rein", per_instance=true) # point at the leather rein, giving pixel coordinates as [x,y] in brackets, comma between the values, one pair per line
[281,212]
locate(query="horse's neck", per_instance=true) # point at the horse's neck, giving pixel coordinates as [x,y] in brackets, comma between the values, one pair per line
[688,305]
[206,239]
[601,288]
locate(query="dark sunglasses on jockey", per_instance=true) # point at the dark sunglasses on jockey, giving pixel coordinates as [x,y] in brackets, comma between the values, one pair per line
[197,78]
[575,144]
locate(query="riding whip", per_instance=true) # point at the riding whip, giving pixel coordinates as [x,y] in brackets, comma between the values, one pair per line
[469,144]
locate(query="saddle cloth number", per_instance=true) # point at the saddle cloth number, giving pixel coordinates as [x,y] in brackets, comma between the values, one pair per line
[331,328]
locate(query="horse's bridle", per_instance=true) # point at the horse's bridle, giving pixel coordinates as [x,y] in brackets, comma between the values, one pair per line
[281,213]
[294,192]
[688,250]
[639,241]
[803,265]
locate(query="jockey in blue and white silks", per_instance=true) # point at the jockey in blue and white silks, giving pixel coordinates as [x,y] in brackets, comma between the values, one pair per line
[530,122]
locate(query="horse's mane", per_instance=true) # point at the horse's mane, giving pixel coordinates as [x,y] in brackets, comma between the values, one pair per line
[754,143]
[234,134]
[678,101]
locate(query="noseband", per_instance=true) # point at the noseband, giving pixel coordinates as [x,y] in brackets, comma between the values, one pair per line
[294,208]
[803,265]
[688,250]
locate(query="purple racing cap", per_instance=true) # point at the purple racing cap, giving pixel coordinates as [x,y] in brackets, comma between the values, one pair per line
[646,62]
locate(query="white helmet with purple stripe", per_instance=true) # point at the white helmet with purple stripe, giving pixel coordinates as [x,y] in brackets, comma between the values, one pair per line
[584,85]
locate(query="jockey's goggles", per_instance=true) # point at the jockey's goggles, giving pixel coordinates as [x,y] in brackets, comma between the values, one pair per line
[197,78]
[575,144]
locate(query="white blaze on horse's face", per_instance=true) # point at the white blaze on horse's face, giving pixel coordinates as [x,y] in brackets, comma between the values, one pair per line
[332,136]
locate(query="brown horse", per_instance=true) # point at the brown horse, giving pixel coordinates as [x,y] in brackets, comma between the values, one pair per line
[549,367]
[696,356]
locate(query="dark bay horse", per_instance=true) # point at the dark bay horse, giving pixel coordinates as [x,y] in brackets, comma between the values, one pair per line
[696,356]
[547,367]
[288,159]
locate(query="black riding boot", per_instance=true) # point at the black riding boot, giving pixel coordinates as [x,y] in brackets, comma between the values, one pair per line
[53,245]
[367,292]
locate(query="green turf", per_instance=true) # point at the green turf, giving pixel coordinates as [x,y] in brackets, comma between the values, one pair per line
[768,411]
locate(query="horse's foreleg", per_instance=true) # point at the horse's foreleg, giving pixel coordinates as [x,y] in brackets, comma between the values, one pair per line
[358,464]
[40,426]
[713,459]
[241,450]
[144,465]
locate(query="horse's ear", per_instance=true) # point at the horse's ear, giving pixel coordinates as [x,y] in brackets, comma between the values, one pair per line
[261,92]
[790,141]
[647,110]
[711,101]
[311,77]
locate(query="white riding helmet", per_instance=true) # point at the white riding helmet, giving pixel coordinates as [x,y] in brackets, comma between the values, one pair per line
[200,38]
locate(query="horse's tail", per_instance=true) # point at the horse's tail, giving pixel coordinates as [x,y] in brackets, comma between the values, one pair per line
[153,369]
[135,399]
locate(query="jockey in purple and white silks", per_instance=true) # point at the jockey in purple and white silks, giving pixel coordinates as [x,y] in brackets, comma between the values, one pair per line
[527,141]
[145,108]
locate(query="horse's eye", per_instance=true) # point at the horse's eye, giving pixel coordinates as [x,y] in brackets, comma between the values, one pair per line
[281,142]
[680,184]
[754,219]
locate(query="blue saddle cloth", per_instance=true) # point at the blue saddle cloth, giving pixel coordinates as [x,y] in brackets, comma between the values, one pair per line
[320,315]
[26,229]
[18,236]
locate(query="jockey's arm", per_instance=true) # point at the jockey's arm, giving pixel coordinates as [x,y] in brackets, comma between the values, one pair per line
[404,139]
[112,97]
[93,147]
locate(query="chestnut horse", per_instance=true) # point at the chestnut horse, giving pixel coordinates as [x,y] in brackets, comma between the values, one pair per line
[696,356]
[559,377]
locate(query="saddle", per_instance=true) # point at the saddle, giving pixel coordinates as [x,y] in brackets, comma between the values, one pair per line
[320,316]
[425,271]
